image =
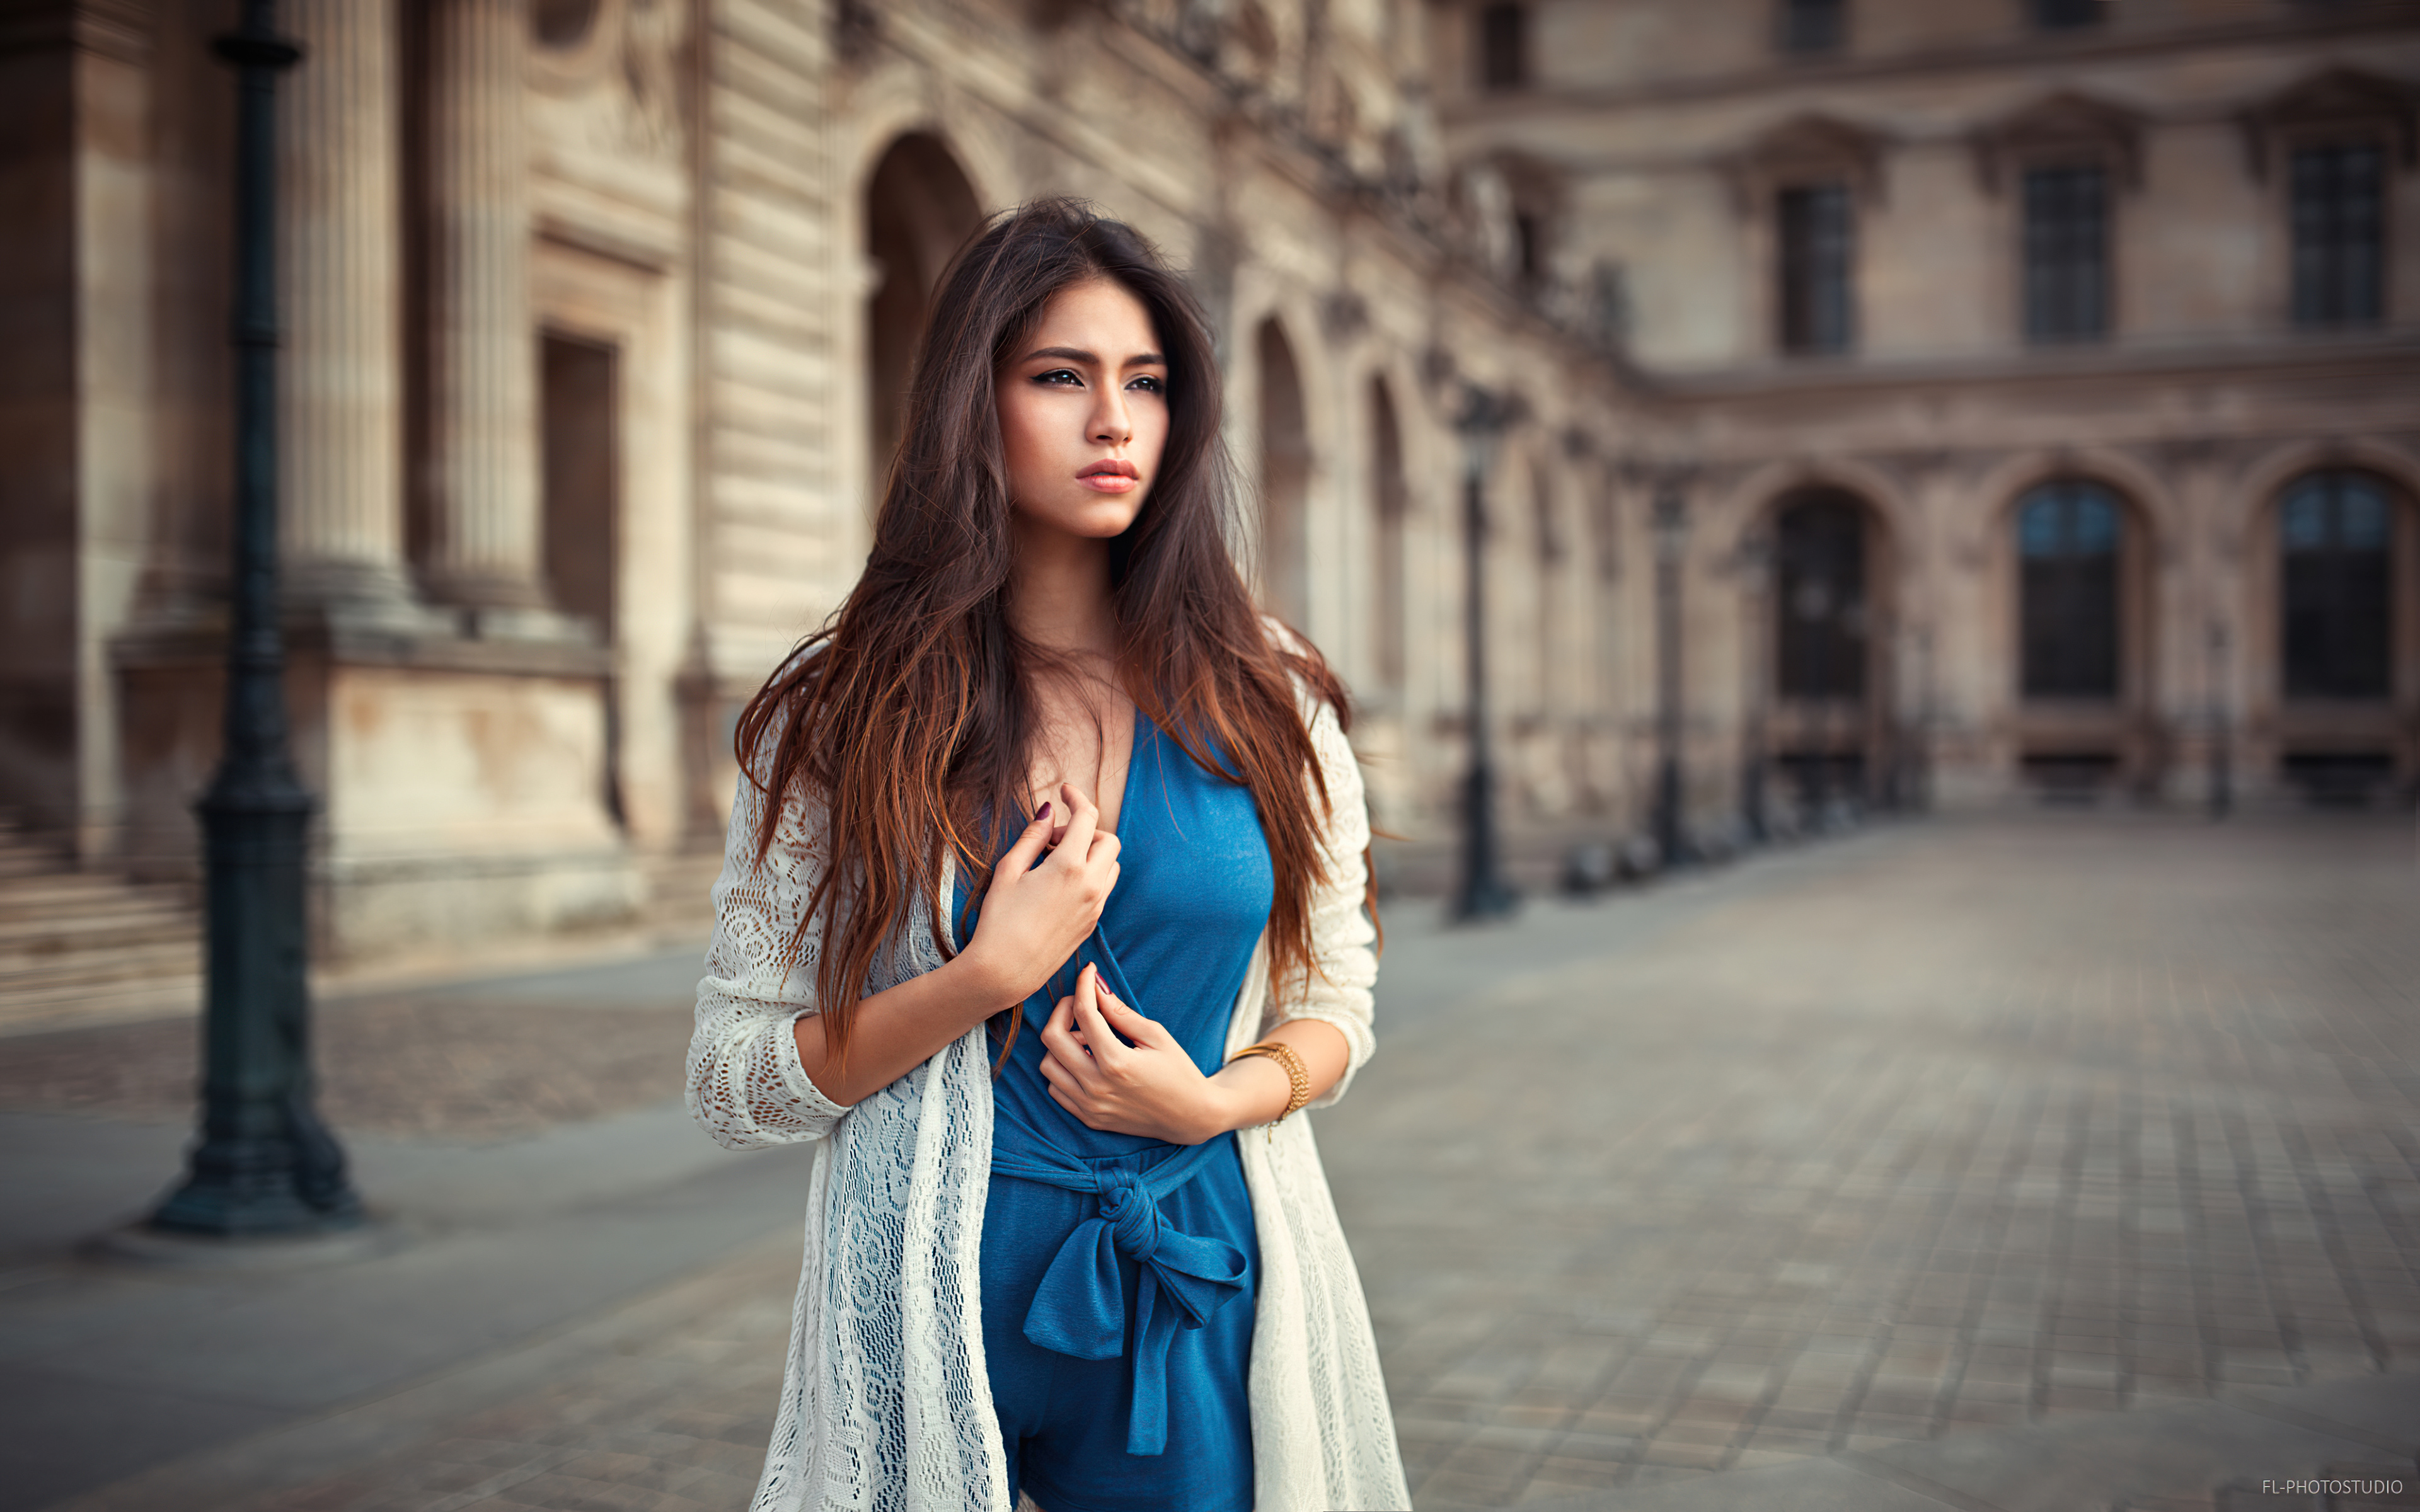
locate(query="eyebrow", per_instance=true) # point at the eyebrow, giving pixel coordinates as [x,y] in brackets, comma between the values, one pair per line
[1077,354]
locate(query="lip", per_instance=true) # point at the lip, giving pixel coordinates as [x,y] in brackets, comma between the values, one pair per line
[1111,476]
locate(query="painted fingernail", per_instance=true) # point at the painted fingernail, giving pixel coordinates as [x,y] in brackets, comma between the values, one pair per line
[1042,813]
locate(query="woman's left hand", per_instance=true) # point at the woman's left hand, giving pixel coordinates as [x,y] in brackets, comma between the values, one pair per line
[1150,1088]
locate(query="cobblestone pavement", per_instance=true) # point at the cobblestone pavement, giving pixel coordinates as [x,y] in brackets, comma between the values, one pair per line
[662,1405]
[1982,1124]
[1945,1128]
[442,1062]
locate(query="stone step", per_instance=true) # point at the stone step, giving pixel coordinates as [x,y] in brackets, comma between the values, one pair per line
[29,904]
[23,858]
[81,946]
[151,957]
[69,1005]
[51,941]
[680,891]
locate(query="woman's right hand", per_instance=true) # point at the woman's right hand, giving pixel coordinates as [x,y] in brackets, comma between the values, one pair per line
[1034,916]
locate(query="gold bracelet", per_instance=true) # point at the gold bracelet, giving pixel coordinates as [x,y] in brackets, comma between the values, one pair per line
[1298,1075]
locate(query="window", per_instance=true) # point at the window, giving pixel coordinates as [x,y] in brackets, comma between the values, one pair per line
[1504,46]
[1818,246]
[1819,552]
[2066,550]
[2338,233]
[579,473]
[579,478]
[1812,25]
[2066,15]
[1392,498]
[1548,532]
[1530,248]
[2067,254]
[2334,530]
[1286,480]
[564,24]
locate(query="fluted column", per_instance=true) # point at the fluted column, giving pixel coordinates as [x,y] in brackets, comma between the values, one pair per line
[485,533]
[341,447]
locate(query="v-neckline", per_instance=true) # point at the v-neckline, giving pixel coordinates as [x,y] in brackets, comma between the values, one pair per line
[1126,785]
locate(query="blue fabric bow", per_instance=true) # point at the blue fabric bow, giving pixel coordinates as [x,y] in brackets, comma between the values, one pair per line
[1080,1308]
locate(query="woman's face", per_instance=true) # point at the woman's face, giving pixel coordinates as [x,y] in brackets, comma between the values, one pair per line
[1083,412]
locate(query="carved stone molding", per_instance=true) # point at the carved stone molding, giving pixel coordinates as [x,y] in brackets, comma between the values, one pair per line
[1811,148]
[2063,128]
[572,43]
[2336,105]
[120,30]
[1343,314]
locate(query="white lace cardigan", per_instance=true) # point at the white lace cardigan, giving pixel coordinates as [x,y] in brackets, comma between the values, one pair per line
[886,1403]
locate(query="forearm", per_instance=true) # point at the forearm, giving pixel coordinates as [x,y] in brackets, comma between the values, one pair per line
[1256,1089]
[899,1028]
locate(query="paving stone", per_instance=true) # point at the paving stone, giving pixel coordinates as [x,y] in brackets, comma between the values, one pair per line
[2085,1144]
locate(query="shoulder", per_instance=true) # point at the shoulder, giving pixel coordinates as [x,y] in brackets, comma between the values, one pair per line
[1325,707]
[1319,693]
[770,744]
[766,721]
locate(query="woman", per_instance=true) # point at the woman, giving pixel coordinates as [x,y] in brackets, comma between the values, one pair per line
[1044,880]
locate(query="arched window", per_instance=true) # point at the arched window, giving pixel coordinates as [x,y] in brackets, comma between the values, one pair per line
[2068,537]
[1389,500]
[1821,551]
[918,208]
[2334,530]
[1286,480]
[1547,532]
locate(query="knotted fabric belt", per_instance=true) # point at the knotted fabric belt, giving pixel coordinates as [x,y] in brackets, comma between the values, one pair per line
[1080,1308]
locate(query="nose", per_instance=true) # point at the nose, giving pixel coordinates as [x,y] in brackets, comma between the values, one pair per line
[1113,423]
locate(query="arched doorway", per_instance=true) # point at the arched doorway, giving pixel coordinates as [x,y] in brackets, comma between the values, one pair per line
[2078,639]
[919,209]
[1390,501]
[1546,606]
[2336,567]
[1829,623]
[2337,544]
[2068,538]
[1285,479]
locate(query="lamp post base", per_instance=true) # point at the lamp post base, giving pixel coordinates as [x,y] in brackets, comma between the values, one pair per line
[140,1244]
[1669,837]
[258,1202]
[1475,905]
[265,1163]
[1482,893]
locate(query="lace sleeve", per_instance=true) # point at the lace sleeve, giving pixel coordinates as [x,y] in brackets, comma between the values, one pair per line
[1341,932]
[745,1082]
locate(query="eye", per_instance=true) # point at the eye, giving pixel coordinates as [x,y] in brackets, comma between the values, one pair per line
[1062,376]
[1150,384]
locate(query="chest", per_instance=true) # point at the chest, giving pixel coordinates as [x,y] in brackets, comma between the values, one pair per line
[1192,854]
[1089,743]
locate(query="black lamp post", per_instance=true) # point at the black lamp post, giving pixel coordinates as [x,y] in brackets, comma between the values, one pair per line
[1672,526]
[1920,795]
[2221,769]
[265,1163]
[1483,893]
[1756,575]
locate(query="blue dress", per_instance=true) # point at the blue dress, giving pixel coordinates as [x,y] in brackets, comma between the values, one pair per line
[1118,1271]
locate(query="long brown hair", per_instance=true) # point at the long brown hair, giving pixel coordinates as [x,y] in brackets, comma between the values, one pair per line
[908,715]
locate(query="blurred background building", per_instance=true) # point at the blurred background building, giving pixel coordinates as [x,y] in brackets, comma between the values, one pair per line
[1921,401]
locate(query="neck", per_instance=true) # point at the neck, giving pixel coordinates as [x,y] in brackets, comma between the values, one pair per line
[1059,592]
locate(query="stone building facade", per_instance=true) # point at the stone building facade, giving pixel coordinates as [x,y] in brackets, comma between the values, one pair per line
[1918,400]
[595,316]
[2035,380]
